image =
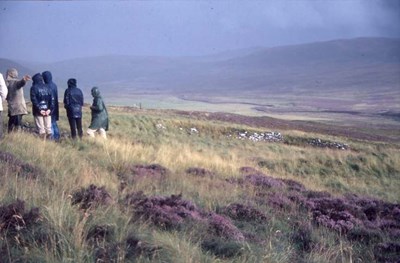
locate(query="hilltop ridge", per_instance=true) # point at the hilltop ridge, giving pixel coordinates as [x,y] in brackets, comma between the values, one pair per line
[351,64]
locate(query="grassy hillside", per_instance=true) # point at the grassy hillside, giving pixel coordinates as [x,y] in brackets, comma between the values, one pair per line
[179,187]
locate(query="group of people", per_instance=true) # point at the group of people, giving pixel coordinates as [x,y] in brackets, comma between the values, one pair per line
[45,108]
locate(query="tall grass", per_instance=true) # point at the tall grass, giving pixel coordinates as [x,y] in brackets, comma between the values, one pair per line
[369,168]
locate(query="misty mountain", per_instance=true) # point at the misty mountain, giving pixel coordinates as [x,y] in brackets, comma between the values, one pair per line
[362,63]
[22,68]
[348,64]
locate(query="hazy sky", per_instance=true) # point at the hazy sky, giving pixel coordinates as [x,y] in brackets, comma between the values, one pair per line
[57,30]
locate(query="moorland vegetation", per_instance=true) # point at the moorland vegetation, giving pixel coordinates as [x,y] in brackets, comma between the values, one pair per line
[169,186]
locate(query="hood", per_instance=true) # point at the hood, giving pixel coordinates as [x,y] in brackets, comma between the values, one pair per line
[47,77]
[71,83]
[95,92]
[12,73]
[37,79]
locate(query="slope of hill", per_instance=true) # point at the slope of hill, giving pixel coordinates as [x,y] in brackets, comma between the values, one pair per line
[363,63]
[7,63]
[177,187]
[347,75]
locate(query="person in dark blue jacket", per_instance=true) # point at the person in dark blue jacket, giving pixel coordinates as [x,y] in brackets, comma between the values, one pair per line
[48,79]
[42,105]
[73,102]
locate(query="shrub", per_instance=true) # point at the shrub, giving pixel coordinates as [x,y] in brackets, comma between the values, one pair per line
[131,248]
[222,227]
[248,170]
[22,229]
[302,237]
[172,212]
[91,197]
[222,248]
[165,212]
[365,235]
[244,213]
[279,200]
[201,172]
[293,185]
[264,181]
[100,234]
[14,218]
[19,167]
[387,252]
[135,247]
[130,173]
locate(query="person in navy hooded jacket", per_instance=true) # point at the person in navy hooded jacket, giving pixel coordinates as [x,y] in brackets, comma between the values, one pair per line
[42,105]
[73,102]
[48,79]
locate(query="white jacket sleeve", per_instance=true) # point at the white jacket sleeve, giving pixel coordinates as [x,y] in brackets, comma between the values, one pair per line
[3,91]
[3,88]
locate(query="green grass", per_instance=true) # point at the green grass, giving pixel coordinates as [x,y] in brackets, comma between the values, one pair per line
[369,168]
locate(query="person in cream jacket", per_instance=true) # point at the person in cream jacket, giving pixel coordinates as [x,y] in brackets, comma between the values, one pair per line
[3,96]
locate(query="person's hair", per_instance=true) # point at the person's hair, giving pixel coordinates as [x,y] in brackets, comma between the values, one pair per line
[72,82]
[12,72]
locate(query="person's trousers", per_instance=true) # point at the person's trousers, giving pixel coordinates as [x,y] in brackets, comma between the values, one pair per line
[102,132]
[14,122]
[43,124]
[55,132]
[75,124]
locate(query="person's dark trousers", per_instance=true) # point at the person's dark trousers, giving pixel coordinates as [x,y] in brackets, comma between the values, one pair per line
[14,122]
[55,132]
[76,125]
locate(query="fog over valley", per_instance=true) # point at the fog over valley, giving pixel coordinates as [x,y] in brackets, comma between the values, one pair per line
[212,51]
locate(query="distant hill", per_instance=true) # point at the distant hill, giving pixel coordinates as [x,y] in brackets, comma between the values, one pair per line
[347,64]
[339,64]
[6,64]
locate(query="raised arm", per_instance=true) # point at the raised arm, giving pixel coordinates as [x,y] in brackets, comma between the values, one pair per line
[22,82]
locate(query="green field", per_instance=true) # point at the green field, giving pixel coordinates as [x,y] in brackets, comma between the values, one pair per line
[158,191]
